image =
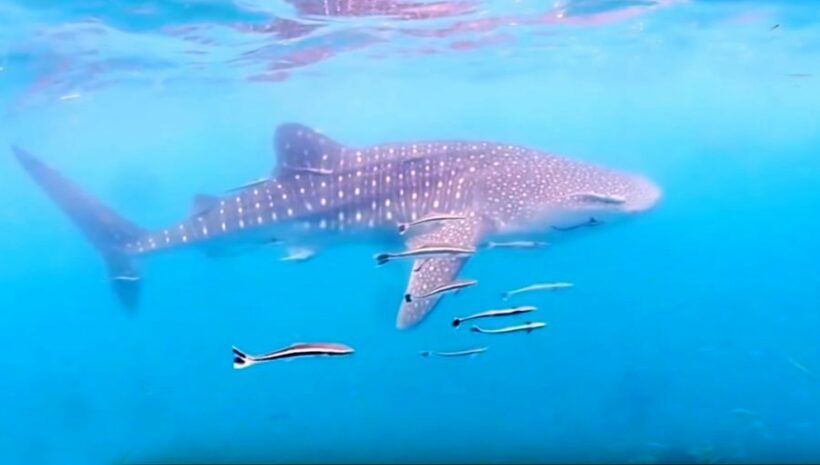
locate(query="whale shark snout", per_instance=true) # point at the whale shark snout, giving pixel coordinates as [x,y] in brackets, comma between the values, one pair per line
[643,195]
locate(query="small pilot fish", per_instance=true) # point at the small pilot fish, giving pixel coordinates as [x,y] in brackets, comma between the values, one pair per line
[460,353]
[537,287]
[802,368]
[742,412]
[403,227]
[515,245]
[243,360]
[425,252]
[126,278]
[253,183]
[495,313]
[527,327]
[602,198]
[298,255]
[451,287]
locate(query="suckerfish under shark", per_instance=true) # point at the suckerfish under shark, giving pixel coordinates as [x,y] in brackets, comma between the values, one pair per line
[323,193]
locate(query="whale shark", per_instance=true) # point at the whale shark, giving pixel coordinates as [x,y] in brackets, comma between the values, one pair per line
[321,193]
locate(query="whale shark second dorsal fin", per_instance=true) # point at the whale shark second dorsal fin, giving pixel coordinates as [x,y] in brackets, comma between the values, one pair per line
[301,149]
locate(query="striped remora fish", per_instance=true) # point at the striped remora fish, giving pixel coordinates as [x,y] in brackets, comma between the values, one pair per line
[536,287]
[403,227]
[243,360]
[495,313]
[458,353]
[451,287]
[430,251]
[515,245]
[526,327]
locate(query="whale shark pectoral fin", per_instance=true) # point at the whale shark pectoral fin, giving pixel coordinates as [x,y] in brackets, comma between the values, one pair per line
[435,273]
[302,149]
[430,273]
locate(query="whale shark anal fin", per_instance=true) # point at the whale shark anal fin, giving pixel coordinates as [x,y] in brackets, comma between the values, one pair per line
[430,273]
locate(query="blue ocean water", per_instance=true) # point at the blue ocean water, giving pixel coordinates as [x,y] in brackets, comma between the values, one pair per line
[690,335]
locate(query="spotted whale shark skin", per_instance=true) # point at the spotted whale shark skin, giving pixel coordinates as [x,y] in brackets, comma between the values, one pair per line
[322,192]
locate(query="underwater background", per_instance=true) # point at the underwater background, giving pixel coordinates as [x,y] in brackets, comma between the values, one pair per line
[691,335]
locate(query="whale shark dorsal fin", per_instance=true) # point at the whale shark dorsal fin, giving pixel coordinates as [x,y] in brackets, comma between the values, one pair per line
[300,148]
[436,272]
[202,204]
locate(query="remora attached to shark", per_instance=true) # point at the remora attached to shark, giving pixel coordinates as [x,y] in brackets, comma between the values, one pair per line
[322,192]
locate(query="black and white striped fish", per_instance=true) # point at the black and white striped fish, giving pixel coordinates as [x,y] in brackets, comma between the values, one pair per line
[495,313]
[426,252]
[515,245]
[527,327]
[243,360]
[536,287]
[434,218]
[458,353]
[447,288]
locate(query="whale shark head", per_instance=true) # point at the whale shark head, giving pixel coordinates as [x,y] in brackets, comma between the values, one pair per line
[600,195]
[561,193]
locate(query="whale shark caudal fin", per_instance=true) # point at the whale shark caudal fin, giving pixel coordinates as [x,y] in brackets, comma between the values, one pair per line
[104,228]
[430,273]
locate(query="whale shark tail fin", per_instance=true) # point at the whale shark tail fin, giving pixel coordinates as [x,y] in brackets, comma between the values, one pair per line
[104,228]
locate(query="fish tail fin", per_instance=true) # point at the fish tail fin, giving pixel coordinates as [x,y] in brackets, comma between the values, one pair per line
[382,258]
[241,359]
[475,329]
[456,322]
[104,228]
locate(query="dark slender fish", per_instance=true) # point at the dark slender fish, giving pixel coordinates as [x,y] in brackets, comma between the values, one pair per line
[460,353]
[253,183]
[589,223]
[527,327]
[495,313]
[243,360]
[452,287]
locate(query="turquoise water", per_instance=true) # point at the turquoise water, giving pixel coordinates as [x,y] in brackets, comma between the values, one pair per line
[690,335]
